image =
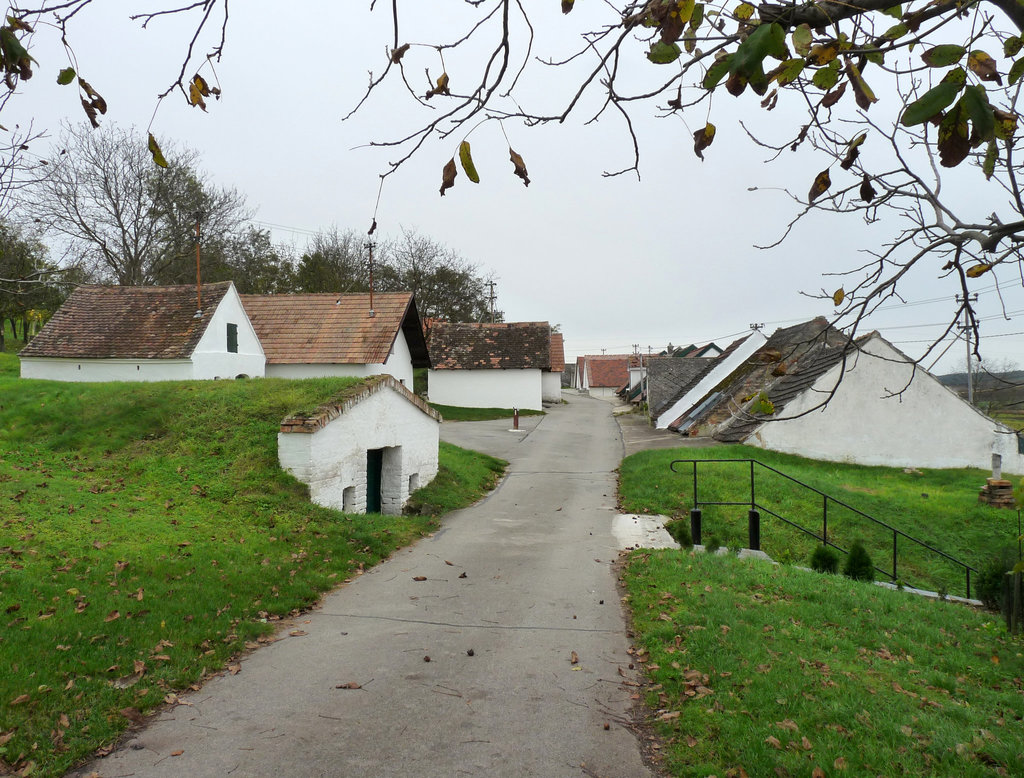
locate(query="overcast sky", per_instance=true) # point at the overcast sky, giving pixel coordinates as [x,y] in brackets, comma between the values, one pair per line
[617,262]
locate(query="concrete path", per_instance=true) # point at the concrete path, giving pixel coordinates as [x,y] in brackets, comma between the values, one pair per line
[510,659]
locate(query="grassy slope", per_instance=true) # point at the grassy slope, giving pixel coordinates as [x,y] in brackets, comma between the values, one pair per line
[768,670]
[938,506]
[456,413]
[147,535]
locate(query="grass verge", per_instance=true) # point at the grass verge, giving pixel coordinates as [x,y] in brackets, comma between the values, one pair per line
[456,413]
[766,670]
[939,507]
[147,536]
[463,477]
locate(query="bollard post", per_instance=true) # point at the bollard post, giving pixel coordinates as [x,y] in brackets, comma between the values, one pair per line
[515,418]
[695,526]
[754,530]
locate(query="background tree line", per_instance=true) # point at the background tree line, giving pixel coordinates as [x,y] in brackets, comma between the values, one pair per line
[99,211]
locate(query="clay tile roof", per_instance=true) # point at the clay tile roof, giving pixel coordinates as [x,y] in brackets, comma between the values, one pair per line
[505,346]
[557,353]
[334,329]
[611,369]
[127,322]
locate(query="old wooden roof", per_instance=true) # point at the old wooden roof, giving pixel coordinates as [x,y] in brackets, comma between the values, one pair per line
[504,346]
[335,329]
[127,322]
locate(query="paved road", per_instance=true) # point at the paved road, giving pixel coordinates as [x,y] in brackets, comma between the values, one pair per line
[538,592]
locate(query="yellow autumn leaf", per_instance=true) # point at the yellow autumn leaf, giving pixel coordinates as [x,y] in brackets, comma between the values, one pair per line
[466,158]
[154,149]
[822,182]
[743,11]
[838,296]
[978,270]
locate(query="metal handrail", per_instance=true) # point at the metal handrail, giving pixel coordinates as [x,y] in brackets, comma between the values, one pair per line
[826,498]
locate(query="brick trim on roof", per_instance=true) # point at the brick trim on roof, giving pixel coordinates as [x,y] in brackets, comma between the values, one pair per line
[349,398]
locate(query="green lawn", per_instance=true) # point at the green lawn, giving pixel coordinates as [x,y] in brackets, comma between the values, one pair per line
[147,536]
[938,506]
[762,670]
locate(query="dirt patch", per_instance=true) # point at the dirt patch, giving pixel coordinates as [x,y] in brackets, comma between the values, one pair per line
[860,489]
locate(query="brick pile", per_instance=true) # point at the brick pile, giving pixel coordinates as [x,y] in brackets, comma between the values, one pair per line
[997,492]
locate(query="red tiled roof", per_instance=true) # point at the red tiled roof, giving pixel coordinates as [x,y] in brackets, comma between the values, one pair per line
[334,329]
[557,353]
[504,346]
[127,322]
[611,370]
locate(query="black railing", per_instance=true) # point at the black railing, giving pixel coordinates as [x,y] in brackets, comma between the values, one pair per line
[754,515]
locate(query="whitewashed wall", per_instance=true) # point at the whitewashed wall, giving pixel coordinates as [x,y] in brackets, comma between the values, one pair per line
[333,458]
[106,369]
[398,365]
[928,427]
[607,393]
[551,387]
[486,388]
[211,358]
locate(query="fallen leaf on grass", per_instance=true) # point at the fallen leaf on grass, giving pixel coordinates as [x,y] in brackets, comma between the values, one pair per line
[840,763]
[20,699]
[691,741]
[806,744]
[126,681]
[670,715]
[133,715]
[773,741]
[6,736]
[787,724]
[234,669]
[817,773]
[112,616]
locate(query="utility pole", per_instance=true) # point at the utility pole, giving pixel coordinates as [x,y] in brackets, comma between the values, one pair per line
[199,284]
[369,246]
[965,303]
[490,299]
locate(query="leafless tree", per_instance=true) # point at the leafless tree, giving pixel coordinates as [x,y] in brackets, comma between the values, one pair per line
[893,98]
[122,217]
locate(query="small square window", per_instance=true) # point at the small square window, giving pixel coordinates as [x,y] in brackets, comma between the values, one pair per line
[233,338]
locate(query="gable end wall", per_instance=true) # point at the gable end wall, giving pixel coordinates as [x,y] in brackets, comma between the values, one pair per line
[928,427]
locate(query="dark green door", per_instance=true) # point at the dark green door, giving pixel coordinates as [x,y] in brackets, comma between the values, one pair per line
[374,466]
